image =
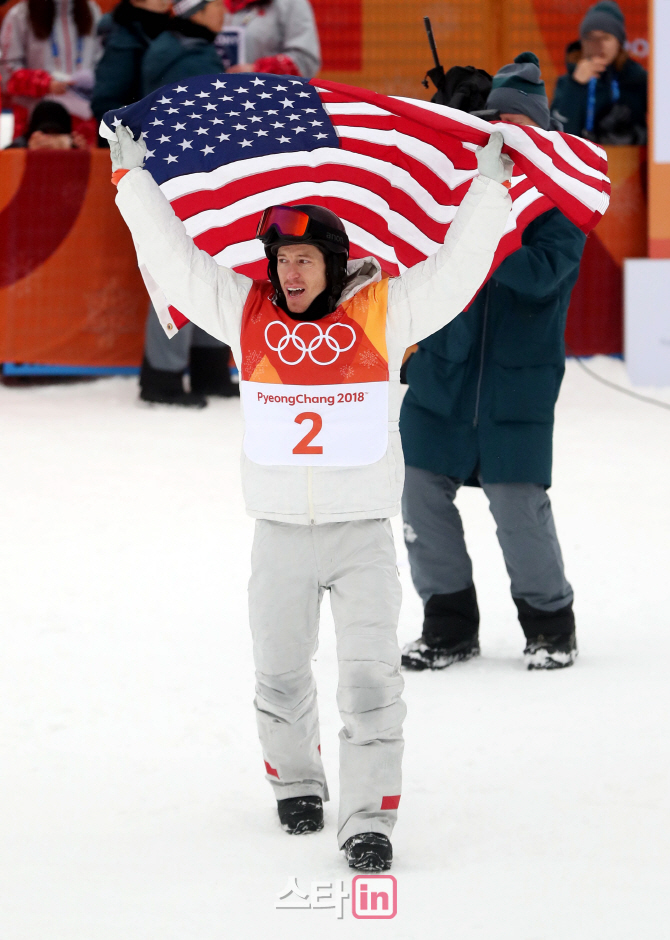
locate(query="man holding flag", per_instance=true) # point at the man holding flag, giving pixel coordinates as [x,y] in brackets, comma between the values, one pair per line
[320,342]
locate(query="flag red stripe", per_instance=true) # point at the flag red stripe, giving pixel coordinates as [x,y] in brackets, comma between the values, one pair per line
[398,200]
[214,240]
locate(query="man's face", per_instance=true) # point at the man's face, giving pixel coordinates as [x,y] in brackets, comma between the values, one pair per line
[302,275]
[39,140]
[518,119]
[600,45]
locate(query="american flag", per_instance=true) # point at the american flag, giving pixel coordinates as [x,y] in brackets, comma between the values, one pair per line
[224,147]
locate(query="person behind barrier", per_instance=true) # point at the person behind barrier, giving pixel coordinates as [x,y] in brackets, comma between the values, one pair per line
[49,49]
[182,51]
[603,97]
[129,30]
[50,128]
[479,411]
[275,36]
[321,479]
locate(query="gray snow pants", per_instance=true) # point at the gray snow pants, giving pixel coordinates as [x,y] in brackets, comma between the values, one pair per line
[439,560]
[292,566]
[171,355]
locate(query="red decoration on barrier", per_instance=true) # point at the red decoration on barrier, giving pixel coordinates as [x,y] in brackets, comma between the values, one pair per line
[43,211]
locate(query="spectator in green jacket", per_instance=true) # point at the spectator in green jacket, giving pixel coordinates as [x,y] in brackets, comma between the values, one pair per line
[479,411]
[603,97]
[128,32]
[187,47]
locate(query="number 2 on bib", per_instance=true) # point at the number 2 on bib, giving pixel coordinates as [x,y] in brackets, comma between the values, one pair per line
[305,446]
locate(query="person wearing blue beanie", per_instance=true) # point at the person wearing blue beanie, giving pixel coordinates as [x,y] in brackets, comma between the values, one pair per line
[604,95]
[518,92]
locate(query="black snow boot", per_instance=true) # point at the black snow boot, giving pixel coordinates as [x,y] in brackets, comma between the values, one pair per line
[300,814]
[450,632]
[369,851]
[551,642]
[161,387]
[210,374]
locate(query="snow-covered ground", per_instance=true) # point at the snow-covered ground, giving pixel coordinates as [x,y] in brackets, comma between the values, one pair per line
[132,799]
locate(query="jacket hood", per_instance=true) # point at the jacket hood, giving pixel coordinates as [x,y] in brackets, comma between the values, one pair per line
[360,273]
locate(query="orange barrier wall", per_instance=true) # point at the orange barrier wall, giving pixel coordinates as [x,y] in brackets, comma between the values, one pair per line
[71,294]
[595,319]
[70,291]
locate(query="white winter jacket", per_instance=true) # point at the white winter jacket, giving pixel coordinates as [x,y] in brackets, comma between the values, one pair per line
[63,55]
[420,301]
[282,27]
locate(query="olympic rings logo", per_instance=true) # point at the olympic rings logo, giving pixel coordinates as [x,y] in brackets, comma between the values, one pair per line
[308,348]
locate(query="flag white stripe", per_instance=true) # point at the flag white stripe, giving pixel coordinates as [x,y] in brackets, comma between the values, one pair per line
[520,203]
[398,178]
[398,224]
[514,136]
[429,156]
[354,107]
[419,150]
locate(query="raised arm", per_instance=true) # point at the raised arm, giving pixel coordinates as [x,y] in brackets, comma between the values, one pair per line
[209,295]
[426,297]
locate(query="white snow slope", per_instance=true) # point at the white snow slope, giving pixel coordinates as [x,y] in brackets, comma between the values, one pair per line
[133,804]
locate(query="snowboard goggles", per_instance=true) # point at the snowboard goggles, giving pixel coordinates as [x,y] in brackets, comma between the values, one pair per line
[287,221]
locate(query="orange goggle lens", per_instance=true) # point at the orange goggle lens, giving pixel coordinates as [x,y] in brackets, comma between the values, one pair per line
[286,220]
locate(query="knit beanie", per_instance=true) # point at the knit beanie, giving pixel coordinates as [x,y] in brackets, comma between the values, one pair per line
[518,89]
[606,16]
[186,8]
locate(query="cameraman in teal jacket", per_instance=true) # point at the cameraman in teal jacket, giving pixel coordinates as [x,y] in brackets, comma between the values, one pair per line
[480,411]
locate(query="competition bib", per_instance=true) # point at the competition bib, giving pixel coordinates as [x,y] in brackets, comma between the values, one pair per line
[315,393]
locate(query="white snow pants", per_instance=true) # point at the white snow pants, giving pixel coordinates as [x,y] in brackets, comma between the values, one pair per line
[292,565]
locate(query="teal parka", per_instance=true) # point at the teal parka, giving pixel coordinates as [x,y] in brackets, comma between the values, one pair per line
[185,50]
[129,31]
[482,390]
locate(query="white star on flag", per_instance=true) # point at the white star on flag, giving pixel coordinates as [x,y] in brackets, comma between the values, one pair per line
[259,81]
[218,84]
[185,144]
[207,150]
[245,143]
[170,159]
